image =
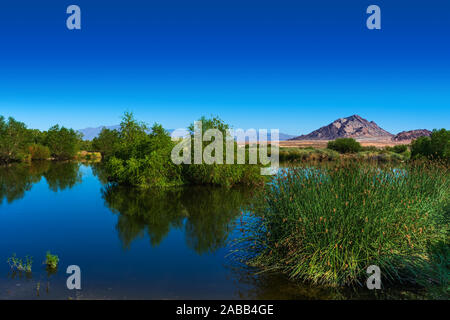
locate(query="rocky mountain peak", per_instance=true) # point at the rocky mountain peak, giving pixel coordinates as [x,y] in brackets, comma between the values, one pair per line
[411,135]
[353,126]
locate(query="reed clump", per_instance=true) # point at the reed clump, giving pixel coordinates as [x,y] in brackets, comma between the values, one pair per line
[326,224]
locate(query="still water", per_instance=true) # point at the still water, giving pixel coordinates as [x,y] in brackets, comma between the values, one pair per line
[129,243]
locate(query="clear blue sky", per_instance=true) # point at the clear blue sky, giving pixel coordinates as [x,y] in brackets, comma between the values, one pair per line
[293,65]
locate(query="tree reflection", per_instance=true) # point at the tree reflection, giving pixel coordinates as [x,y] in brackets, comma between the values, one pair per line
[205,213]
[210,212]
[17,179]
[63,175]
[140,211]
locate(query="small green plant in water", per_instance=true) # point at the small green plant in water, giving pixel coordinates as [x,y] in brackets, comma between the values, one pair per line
[51,260]
[18,264]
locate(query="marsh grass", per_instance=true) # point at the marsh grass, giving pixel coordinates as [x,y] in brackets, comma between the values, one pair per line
[19,264]
[326,224]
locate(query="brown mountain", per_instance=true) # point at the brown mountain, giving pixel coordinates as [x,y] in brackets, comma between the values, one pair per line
[411,135]
[350,127]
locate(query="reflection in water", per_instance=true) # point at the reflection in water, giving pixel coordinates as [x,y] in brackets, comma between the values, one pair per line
[63,175]
[16,179]
[251,284]
[205,213]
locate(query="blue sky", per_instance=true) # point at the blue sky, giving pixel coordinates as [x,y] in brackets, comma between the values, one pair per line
[292,65]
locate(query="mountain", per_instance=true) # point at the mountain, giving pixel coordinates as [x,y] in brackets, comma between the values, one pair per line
[350,127]
[411,135]
[91,133]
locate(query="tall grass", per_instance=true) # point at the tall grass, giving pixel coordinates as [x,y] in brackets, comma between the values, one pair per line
[327,224]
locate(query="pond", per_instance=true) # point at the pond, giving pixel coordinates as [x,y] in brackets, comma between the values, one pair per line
[128,243]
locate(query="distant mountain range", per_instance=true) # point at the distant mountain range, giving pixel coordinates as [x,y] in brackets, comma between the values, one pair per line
[91,133]
[360,129]
[350,127]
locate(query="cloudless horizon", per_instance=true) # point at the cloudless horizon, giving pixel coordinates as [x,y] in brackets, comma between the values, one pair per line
[285,64]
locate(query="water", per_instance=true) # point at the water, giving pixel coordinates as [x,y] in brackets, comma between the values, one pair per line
[129,243]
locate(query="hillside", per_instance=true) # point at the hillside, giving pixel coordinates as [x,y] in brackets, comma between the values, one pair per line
[350,127]
[411,135]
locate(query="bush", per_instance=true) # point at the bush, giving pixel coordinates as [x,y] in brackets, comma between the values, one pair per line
[344,145]
[51,260]
[437,146]
[39,152]
[107,143]
[370,148]
[144,159]
[328,224]
[137,158]
[63,143]
[14,137]
[401,148]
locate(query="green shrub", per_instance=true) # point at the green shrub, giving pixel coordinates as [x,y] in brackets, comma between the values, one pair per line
[144,159]
[344,145]
[51,260]
[437,146]
[327,224]
[63,143]
[14,137]
[107,143]
[370,148]
[39,152]
[401,148]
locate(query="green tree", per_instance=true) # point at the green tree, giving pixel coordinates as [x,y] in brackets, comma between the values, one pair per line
[440,143]
[220,174]
[133,137]
[14,137]
[107,143]
[142,159]
[63,143]
[437,146]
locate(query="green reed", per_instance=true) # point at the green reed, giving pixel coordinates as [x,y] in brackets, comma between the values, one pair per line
[327,224]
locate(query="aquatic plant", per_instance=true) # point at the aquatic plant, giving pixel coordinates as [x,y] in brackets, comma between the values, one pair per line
[51,260]
[17,264]
[327,224]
